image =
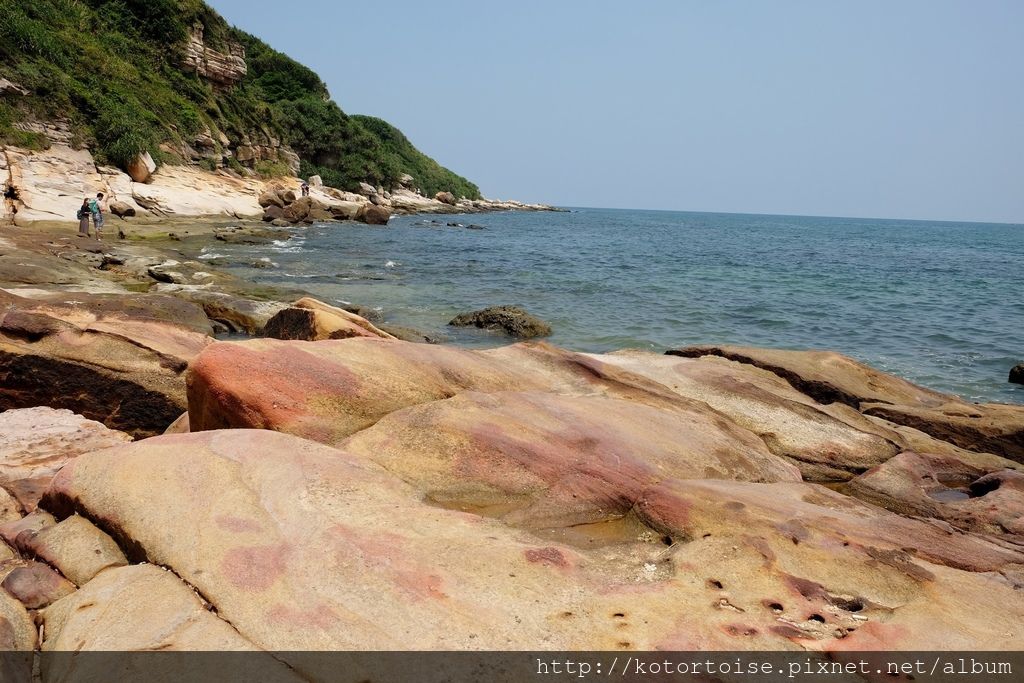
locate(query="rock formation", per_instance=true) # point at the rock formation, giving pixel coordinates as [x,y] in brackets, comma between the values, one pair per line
[114,359]
[432,485]
[223,69]
[512,320]
[310,320]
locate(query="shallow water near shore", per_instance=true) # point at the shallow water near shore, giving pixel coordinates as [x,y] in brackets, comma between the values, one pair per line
[938,303]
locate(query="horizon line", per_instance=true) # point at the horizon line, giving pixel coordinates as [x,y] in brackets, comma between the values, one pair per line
[793,215]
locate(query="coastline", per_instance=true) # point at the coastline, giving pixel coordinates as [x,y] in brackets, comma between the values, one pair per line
[810,492]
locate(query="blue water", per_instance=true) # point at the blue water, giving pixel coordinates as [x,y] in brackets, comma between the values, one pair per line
[941,304]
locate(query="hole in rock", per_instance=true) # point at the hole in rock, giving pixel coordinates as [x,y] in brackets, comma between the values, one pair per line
[667,540]
[983,487]
[11,192]
[619,615]
[775,606]
[715,583]
[848,604]
[817,618]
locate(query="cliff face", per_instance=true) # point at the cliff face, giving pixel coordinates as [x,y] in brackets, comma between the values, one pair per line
[172,80]
[223,69]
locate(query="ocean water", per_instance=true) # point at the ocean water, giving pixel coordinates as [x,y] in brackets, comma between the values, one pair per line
[941,304]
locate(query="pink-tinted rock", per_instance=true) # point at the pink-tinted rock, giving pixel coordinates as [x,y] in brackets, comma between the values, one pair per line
[75,547]
[301,546]
[36,442]
[825,445]
[36,585]
[980,494]
[828,377]
[142,607]
[34,522]
[544,460]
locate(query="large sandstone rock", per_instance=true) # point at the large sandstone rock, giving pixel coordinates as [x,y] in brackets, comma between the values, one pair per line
[17,632]
[299,546]
[826,376]
[189,191]
[311,320]
[542,460]
[990,427]
[372,214]
[141,168]
[36,442]
[115,360]
[52,183]
[445,198]
[830,377]
[75,547]
[977,493]
[334,388]
[137,608]
[122,209]
[827,446]
[512,320]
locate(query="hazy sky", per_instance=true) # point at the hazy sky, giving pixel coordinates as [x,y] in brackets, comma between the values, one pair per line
[909,109]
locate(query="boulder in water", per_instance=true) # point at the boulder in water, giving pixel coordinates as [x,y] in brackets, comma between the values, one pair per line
[371,214]
[512,320]
[1017,374]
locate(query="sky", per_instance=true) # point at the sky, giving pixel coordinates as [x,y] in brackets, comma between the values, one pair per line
[909,109]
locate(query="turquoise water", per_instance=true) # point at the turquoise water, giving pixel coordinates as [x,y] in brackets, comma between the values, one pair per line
[941,304]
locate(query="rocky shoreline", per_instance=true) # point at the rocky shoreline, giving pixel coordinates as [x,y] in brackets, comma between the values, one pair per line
[161,488]
[49,185]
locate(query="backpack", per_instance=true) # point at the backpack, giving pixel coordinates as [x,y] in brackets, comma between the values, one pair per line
[94,206]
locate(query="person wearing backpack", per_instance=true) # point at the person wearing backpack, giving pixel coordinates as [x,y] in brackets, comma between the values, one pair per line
[83,215]
[98,208]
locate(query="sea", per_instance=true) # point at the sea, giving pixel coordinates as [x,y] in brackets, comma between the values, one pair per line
[939,303]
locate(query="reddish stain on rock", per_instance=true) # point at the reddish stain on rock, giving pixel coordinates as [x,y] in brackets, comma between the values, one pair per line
[237,524]
[254,568]
[552,557]
[320,618]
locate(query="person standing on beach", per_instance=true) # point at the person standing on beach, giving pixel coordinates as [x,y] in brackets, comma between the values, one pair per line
[84,212]
[98,206]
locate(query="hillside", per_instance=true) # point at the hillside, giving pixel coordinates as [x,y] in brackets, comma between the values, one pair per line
[172,78]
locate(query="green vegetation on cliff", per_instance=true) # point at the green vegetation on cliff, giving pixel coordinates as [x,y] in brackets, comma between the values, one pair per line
[115,70]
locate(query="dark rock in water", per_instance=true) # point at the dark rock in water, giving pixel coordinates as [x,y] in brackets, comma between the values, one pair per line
[1017,374]
[411,334]
[456,225]
[511,320]
[474,226]
[371,314]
